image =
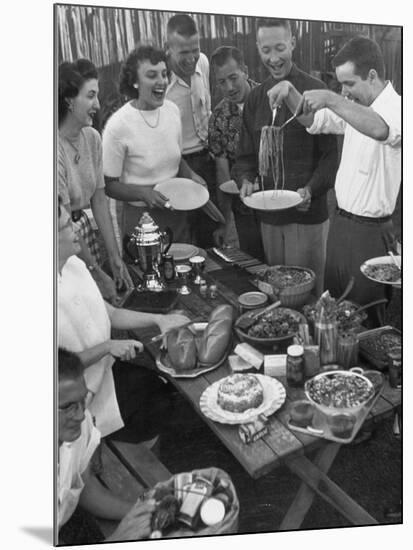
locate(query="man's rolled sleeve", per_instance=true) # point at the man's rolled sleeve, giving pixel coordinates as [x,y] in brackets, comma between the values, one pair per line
[393,120]
[326,122]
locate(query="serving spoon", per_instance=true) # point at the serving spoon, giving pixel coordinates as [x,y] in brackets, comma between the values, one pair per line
[295,115]
[370,304]
[393,257]
[274,114]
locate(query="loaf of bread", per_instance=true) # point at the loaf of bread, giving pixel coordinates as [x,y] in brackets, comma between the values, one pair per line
[216,338]
[182,349]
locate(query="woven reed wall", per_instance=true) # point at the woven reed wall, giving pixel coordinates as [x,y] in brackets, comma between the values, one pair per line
[106,35]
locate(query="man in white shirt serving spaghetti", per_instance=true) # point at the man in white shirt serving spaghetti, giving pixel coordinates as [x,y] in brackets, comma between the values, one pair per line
[368,113]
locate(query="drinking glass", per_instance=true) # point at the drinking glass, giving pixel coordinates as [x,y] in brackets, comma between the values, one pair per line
[301,413]
[182,271]
[198,266]
[341,424]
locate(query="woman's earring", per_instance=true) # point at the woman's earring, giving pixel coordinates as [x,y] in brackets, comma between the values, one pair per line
[136,85]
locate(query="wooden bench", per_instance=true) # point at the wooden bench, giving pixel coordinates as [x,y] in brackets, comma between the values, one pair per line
[127,470]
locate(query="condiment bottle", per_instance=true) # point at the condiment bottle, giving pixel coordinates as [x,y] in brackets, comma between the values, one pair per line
[295,366]
[168,267]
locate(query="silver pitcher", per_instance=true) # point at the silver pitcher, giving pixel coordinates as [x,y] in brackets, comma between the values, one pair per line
[146,246]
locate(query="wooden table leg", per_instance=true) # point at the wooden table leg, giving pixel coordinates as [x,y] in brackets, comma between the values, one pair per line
[305,495]
[320,483]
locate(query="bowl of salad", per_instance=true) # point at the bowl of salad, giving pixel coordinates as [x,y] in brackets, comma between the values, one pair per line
[291,285]
[276,326]
[339,391]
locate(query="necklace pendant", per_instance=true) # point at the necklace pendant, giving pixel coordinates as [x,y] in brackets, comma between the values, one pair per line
[77,158]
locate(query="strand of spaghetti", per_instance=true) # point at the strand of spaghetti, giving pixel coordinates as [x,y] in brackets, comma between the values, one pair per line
[274,169]
[282,157]
[276,150]
[264,151]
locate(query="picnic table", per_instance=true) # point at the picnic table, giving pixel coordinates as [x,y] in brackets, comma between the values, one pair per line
[281,445]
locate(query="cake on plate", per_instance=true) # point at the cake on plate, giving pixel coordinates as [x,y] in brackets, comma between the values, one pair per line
[239,392]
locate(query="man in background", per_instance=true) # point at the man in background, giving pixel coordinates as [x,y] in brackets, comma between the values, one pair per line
[231,76]
[297,236]
[189,90]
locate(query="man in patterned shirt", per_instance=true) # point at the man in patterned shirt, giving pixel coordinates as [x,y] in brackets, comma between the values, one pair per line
[232,80]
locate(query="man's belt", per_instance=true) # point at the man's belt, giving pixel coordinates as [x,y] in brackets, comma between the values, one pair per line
[362,219]
[200,153]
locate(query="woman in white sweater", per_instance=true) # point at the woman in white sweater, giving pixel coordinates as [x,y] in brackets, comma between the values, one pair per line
[142,144]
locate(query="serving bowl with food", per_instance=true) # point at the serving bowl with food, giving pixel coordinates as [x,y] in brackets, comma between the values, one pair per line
[339,391]
[291,285]
[376,344]
[278,325]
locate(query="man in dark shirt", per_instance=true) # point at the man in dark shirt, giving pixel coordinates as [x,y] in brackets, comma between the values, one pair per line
[297,236]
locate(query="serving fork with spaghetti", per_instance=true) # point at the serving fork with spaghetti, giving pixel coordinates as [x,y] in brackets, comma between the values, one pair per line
[271,150]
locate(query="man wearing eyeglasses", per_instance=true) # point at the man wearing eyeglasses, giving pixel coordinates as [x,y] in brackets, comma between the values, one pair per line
[78,489]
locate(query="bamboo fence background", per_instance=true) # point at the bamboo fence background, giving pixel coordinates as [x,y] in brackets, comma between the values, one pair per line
[106,35]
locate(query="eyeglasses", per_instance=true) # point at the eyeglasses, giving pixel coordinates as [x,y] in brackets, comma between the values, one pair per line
[71,409]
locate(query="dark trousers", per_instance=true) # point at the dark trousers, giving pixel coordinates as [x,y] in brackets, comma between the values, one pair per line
[350,243]
[202,226]
[248,229]
[144,402]
[80,528]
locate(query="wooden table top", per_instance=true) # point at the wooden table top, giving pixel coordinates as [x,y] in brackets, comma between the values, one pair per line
[280,443]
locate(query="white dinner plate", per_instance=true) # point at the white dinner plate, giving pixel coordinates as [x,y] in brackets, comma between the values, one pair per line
[274,397]
[273,199]
[182,251]
[183,193]
[229,187]
[381,260]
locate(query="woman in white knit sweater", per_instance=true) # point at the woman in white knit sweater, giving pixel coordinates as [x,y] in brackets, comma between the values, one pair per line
[142,144]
